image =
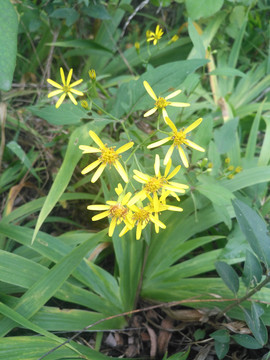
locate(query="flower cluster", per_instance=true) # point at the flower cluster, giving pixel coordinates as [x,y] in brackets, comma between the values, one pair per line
[145,205]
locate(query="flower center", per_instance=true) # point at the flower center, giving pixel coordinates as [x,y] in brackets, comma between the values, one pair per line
[179,137]
[141,215]
[118,211]
[154,184]
[66,88]
[108,155]
[161,103]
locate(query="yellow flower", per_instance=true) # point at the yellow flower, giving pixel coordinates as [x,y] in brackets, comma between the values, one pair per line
[115,210]
[178,138]
[158,183]
[109,156]
[85,105]
[66,89]
[137,45]
[173,39]
[155,36]
[238,169]
[92,74]
[161,103]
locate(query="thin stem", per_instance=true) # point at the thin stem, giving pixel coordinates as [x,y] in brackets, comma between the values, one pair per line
[139,287]
[246,297]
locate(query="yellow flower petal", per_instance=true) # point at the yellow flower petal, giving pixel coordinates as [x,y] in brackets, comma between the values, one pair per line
[69,76]
[193,125]
[98,207]
[179,104]
[174,208]
[119,189]
[72,98]
[88,149]
[141,175]
[77,92]
[172,95]
[90,167]
[194,146]
[159,143]
[54,93]
[140,196]
[55,84]
[173,188]
[157,165]
[75,83]
[138,231]
[124,147]
[121,171]
[100,216]
[183,156]
[96,139]
[112,226]
[126,198]
[61,99]
[174,172]
[149,90]
[167,169]
[98,173]
[150,112]
[124,231]
[177,185]
[168,155]
[62,76]
[171,124]
[135,177]
[158,222]
[164,114]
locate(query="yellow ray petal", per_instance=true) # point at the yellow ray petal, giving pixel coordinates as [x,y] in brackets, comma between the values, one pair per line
[157,165]
[194,146]
[126,198]
[119,189]
[62,76]
[75,83]
[168,155]
[112,226]
[54,93]
[100,216]
[140,196]
[149,90]
[171,124]
[69,76]
[183,156]
[167,169]
[60,100]
[174,208]
[150,112]
[98,173]
[96,139]
[138,231]
[121,171]
[124,231]
[172,95]
[88,149]
[179,104]
[97,207]
[193,125]
[77,92]
[173,188]
[90,167]
[55,84]
[164,114]
[174,172]
[158,222]
[137,178]
[159,143]
[124,147]
[72,98]
[178,185]
[142,175]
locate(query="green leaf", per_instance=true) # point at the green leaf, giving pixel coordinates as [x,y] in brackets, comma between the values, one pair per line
[221,335]
[8,43]
[180,356]
[97,11]
[265,153]
[252,274]
[227,71]
[252,139]
[66,114]
[225,136]
[228,275]
[255,230]
[70,15]
[197,10]
[210,188]
[247,341]
[196,40]
[221,349]
[73,154]
[255,323]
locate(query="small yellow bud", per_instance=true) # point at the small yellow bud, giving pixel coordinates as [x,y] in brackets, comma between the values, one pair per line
[92,74]
[230,168]
[137,45]
[173,39]
[227,160]
[210,165]
[238,169]
[84,104]
[231,176]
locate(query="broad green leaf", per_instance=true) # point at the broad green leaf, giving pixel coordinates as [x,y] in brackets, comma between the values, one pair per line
[81,44]
[252,273]
[265,153]
[197,10]
[221,349]
[70,15]
[79,137]
[228,275]
[179,356]
[221,335]
[196,40]
[66,114]
[255,324]
[227,71]
[210,188]
[132,96]
[252,139]
[225,136]
[97,11]
[8,43]
[247,341]
[254,229]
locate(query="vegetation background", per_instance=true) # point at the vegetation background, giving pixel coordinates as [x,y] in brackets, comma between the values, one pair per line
[200,288]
